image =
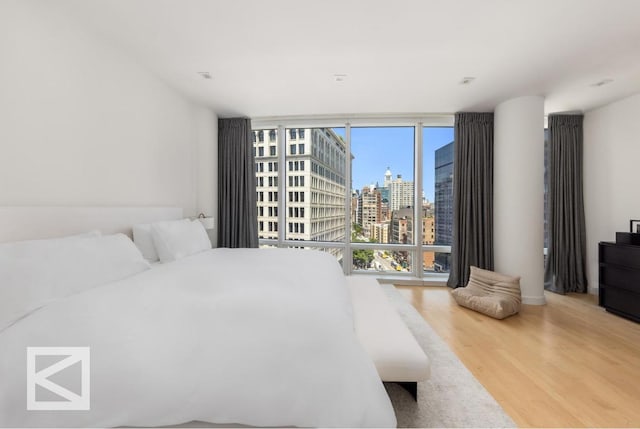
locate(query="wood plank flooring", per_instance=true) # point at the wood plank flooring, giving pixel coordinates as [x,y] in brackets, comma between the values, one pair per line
[565,364]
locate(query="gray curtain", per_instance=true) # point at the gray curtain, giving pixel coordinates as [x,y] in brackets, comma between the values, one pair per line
[237,209]
[472,196]
[565,269]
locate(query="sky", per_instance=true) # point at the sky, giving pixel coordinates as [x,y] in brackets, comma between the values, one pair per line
[376,148]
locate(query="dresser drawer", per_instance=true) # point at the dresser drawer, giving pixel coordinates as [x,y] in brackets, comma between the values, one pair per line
[624,255]
[622,300]
[620,277]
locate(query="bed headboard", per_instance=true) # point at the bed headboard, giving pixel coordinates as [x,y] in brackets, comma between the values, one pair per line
[35,222]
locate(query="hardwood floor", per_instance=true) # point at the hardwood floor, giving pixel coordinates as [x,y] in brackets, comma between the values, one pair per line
[565,364]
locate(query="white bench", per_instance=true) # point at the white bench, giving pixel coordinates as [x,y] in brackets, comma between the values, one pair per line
[395,352]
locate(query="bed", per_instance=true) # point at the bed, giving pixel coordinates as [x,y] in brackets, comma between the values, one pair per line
[260,337]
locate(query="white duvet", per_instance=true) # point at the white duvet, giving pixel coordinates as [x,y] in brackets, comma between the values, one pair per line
[257,337]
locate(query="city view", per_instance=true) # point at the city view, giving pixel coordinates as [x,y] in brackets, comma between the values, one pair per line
[382,191]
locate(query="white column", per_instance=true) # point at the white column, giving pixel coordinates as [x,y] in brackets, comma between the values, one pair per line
[518,183]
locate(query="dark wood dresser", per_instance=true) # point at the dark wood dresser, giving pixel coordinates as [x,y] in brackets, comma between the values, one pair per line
[620,279]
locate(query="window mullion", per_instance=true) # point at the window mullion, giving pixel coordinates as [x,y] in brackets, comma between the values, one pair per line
[417,209]
[347,256]
[282,177]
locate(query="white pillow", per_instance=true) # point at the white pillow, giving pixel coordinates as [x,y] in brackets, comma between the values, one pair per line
[144,241]
[179,238]
[34,273]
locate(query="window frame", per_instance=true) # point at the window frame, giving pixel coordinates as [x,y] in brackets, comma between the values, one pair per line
[417,275]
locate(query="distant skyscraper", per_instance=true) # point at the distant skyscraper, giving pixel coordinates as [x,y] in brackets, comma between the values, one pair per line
[387,177]
[369,204]
[400,193]
[444,203]
[384,190]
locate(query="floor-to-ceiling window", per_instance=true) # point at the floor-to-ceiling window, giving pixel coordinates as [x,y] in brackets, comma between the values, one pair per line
[376,196]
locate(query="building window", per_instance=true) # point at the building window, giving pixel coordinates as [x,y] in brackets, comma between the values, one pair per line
[292,149]
[272,136]
[260,136]
[272,151]
[301,133]
[301,149]
[261,151]
[292,134]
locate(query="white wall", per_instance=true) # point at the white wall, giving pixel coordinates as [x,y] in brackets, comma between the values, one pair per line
[518,182]
[82,123]
[611,174]
[207,167]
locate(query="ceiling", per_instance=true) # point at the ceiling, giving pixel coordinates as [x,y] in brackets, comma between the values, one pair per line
[279,57]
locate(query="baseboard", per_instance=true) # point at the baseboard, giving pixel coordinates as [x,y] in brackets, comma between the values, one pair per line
[534,300]
[594,290]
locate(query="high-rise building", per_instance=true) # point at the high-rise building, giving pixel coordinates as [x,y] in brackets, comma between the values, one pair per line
[386,198]
[428,230]
[380,232]
[265,149]
[369,209]
[402,226]
[314,174]
[387,177]
[428,237]
[354,207]
[400,193]
[444,203]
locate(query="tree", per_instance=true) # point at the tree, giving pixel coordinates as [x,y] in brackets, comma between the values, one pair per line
[362,258]
[356,232]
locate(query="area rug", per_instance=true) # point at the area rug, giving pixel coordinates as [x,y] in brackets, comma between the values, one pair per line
[452,397]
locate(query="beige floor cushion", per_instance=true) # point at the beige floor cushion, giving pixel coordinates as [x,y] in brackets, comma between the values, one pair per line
[493,294]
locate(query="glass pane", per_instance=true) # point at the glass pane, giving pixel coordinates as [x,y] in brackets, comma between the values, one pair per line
[438,183]
[436,262]
[382,196]
[315,184]
[337,252]
[265,143]
[437,205]
[386,261]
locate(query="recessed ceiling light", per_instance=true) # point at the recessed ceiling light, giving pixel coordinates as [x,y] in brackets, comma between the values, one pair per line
[339,77]
[467,80]
[205,75]
[602,82]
